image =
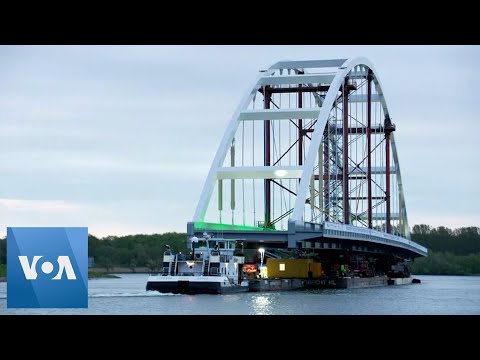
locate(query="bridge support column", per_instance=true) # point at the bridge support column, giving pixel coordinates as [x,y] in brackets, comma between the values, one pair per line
[369,147]
[320,179]
[389,127]
[346,197]
[300,129]
[326,178]
[267,159]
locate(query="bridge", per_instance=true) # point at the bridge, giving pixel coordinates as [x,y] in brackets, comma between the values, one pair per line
[309,162]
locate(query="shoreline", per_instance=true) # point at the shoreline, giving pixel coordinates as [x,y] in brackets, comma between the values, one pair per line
[121,270]
[101,275]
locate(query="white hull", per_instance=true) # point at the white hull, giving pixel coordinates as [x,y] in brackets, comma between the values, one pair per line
[178,284]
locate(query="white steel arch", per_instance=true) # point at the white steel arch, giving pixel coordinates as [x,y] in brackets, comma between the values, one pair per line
[333,74]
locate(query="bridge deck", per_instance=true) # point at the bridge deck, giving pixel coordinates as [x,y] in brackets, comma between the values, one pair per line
[316,236]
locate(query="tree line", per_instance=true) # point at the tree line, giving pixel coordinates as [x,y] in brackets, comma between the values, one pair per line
[129,251]
[461,241]
[452,252]
[134,251]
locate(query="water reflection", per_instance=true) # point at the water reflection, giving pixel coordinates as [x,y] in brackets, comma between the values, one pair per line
[262,304]
[448,295]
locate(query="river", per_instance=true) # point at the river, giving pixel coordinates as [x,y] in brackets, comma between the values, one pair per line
[440,295]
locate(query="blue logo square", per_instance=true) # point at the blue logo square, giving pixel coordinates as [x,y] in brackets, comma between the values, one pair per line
[47,267]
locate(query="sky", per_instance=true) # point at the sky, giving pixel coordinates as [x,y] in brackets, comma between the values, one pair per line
[121,138]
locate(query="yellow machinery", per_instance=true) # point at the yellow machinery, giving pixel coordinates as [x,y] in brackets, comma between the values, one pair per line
[293,268]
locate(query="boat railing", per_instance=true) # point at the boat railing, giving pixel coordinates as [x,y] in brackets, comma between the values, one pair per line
[198,273]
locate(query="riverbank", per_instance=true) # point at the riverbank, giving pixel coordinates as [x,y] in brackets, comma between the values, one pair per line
[95,273]
[91,275]
[121,270]
[439,263]
[101,275]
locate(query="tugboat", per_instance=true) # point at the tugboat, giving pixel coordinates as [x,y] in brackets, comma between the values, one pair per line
[399,274]
[214,266]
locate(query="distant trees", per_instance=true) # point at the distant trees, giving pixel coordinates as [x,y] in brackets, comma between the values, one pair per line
[453,252]
[462,241]
[134,251]
[421,229]
[439,263]
[3,251]
[129,251]
[3,257]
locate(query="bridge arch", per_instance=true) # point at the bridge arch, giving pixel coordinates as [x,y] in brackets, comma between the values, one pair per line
[332,178]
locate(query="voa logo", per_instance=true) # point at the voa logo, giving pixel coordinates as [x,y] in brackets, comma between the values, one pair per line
[64,265]
[47,267]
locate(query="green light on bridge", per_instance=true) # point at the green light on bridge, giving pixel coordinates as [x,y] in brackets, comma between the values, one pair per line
[199,225]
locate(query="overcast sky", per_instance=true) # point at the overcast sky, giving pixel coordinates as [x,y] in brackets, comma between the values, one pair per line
[121,138]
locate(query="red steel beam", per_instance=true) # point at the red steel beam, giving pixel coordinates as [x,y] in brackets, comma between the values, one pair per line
[389,127]
[365,197]
[300,129]
[340,177]
[362,130]
[346,210]
[326,172]
[297,89]
[369,147]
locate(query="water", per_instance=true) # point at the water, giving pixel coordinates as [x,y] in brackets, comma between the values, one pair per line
[440,295]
